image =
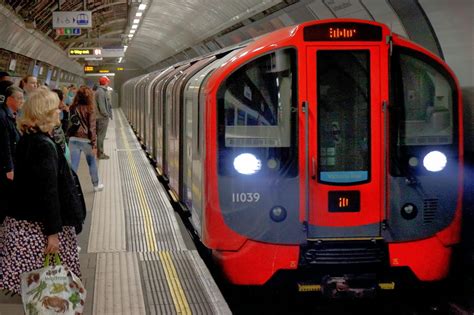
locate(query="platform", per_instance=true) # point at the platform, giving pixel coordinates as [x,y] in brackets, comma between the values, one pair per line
[136,257]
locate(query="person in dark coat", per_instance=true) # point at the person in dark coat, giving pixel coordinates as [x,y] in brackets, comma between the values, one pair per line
[48,210]
[9,137]
[3,88]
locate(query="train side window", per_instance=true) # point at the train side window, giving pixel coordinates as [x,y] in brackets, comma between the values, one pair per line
[257,109]
[200,110]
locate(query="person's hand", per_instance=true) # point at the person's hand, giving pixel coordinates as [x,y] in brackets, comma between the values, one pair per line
[94,152]
[10,175]
[53,244]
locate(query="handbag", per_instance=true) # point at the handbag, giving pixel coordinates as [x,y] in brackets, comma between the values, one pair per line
[52,290]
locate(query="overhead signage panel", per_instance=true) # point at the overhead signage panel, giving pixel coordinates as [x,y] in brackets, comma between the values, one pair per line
[68,31]
[85,52]
[112,53]
[74,19]
[96,69]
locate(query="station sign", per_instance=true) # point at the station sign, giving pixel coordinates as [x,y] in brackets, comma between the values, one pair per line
[95,69]
[89,69]
[68,31]
[85,52]
[74,19]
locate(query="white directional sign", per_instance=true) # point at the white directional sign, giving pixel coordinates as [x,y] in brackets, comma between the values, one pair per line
[76,19]
[112,53]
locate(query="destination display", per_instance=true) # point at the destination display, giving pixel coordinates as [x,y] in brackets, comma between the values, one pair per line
[342,31]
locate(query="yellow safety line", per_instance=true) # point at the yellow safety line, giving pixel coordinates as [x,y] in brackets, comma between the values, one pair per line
[145,209]
[177,292]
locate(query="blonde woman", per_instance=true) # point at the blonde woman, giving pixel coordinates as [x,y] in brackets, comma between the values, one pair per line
[47,210]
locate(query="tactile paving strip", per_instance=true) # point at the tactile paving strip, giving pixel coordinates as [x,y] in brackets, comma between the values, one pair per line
[151,223]
[177,282]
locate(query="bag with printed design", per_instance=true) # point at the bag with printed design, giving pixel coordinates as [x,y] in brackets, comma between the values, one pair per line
[52,290]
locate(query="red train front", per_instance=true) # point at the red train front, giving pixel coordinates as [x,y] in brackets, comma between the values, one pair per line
[332,146]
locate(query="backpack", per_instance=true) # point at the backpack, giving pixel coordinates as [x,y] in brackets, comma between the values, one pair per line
[75,121]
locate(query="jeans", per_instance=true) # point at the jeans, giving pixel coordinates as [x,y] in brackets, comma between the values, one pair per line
[76,147]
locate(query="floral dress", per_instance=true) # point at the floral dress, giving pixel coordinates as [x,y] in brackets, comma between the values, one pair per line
[22,250]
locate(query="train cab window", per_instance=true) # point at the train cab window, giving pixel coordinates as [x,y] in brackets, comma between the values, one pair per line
[343,81]
[422,114]
[257,109]
[428,104]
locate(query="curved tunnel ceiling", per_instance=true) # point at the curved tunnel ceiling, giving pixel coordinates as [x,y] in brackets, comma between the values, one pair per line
[168,27]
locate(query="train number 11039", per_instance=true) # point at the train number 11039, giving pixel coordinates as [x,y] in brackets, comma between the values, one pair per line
[245,197]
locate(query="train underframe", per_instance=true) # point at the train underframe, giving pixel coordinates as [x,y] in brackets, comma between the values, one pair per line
[357,268]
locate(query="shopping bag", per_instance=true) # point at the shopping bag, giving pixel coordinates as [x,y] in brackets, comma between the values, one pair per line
[52,290]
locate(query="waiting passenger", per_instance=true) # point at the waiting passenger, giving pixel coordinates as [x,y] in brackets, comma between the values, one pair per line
[58,133]
[71,93]
[9,137]
[104,113]
[29,84]
[4,76]
[3,88]
[83,138]
[47,205]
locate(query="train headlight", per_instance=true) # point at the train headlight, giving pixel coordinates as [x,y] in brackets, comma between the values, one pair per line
[247,164]
[435,161]
[409,211]
[278,213]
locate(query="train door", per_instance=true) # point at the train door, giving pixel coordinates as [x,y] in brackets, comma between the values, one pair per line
[344,142]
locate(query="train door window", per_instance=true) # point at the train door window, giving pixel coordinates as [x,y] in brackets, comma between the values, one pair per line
[423,98]
[343,87]
[257,109]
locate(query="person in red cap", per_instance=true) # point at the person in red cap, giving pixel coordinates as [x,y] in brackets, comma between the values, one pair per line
[104,113]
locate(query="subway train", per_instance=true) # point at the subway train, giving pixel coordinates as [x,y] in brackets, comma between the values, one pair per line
[331,149]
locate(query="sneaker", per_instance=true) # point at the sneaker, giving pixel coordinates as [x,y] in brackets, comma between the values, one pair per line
[104,157]
[99,187]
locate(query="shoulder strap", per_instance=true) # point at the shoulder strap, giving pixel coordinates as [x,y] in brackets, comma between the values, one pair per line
[81,120]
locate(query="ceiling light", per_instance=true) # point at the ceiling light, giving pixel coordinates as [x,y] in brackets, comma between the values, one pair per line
[136,21]
[134,26]
[130,35]
[132,31]
[125,48]
[139,14]
[142,7]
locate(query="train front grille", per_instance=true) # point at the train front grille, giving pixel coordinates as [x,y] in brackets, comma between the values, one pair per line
[343,252]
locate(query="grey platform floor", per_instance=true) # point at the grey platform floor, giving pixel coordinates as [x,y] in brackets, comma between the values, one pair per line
[136,257]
